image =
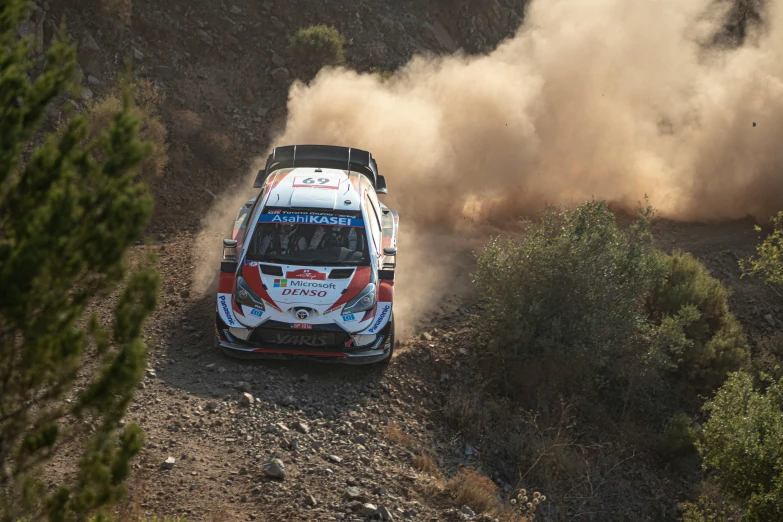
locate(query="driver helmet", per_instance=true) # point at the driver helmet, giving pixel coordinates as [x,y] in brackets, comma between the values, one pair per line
[287,228]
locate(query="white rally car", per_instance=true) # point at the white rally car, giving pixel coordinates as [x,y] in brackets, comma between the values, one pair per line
[309,269]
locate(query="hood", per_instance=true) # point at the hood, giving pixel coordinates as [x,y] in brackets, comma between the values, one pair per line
[324,289]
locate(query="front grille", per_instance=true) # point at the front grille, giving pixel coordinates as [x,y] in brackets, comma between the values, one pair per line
[300,339]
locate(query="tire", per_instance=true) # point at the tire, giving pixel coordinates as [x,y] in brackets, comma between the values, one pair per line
[386,360]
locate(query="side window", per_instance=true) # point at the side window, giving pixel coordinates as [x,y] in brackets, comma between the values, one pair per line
[376,213]
[375,228]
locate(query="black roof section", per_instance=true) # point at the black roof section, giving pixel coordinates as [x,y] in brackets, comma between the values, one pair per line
[323,156]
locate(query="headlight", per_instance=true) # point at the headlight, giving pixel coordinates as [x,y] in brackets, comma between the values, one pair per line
[246,296]
[362,302]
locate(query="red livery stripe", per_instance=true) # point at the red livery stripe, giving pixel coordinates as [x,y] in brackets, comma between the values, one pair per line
[226,283]
[386,291]
[252,275]
[361,278]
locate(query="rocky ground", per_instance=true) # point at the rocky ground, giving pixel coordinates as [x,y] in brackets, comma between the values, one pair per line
[234,440]
[238,440]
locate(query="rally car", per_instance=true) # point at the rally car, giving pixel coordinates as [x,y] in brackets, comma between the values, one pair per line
[309,269]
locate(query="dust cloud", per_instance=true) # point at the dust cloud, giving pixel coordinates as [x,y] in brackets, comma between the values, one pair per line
[614,99]
[608,98]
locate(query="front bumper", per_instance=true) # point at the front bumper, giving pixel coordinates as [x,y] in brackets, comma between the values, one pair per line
[321,344]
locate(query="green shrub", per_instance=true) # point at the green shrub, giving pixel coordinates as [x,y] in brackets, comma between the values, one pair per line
[768,356]
[571,289]
[317,46]
[743,442]
[768,261]
[677,434]
[714,342]
[580,300]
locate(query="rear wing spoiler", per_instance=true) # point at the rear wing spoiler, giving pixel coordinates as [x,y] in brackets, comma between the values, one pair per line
[324,156]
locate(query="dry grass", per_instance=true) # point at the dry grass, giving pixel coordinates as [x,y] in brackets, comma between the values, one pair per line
[425,463]
[474,490]
[466,411]
[395,435]
[215,147]
[471,488]
[116,12]
[186,124]
[147,103]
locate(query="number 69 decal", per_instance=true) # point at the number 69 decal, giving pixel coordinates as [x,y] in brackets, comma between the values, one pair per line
[307,181]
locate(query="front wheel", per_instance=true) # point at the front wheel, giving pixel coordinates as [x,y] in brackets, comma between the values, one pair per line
[390,342]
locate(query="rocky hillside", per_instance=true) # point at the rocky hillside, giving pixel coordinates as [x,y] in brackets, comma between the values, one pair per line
[224,68]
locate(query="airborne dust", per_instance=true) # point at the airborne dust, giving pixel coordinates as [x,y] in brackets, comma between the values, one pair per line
[613,99]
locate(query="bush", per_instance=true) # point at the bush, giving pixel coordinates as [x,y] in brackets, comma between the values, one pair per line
[317,46]
[571,290]
[677,434]
[472,489]
[582,303]
[768,261]
[148,99]
[714,341]
[743,442]
[768,356]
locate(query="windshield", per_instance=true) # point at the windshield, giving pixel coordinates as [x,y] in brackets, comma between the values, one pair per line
[309,238]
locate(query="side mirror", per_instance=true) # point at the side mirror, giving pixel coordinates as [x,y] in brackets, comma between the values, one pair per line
[380,186]
[230,244]
[390,251]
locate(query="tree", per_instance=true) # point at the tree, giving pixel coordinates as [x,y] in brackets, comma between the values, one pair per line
[69,211]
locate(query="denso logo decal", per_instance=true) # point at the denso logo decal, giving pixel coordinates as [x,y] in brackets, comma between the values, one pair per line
[381,317]
[309,293]
[306,273]
[226,311]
